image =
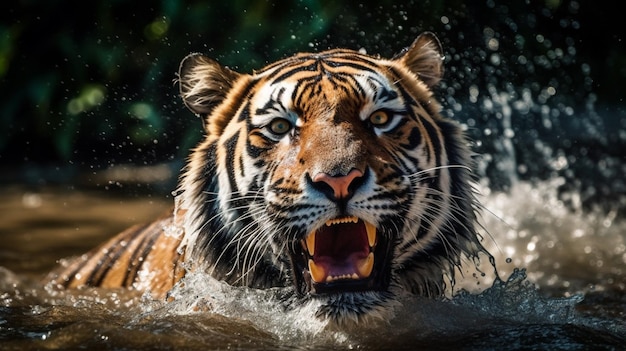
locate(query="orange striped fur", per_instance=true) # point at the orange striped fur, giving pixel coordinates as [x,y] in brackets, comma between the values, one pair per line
[332,174]
[143,257]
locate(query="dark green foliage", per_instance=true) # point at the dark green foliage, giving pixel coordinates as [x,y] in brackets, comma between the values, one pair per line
[90,83]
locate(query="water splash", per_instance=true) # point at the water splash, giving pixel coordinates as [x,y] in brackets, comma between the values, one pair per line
[518,300]
[564,295]
[565,249]
[200,293]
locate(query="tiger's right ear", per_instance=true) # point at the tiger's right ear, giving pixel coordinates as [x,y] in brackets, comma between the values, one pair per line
[204,83]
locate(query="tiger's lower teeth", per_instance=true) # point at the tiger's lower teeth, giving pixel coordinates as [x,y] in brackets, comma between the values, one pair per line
[363,270]
[338,277]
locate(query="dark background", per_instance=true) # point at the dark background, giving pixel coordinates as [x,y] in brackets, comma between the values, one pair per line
[86,86]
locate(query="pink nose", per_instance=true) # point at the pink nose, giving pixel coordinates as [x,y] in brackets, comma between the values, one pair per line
[339,184]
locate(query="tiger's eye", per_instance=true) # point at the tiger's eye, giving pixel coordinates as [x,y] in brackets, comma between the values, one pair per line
[379,118]
[280,126]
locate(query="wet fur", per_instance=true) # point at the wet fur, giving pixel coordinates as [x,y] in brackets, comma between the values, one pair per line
[241,182]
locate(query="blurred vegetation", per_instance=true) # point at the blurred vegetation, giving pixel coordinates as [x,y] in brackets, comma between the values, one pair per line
[89,84]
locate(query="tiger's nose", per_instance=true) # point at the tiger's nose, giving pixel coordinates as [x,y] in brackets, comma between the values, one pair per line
[338,187]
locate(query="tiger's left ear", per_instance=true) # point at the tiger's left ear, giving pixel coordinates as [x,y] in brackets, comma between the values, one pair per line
[204,83]
[424,58]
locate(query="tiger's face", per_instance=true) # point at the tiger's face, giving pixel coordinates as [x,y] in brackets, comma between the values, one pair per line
[331,172]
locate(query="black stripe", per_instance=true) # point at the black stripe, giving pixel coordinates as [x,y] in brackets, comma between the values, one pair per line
[108,260]
[401,162]
[231,147]
[72,275]
[431,109]
[427,218]
[298,93]
[253,151]
[245,113]
[434,139]
[104,265]
[412,160]
[293,70]
[134,264]
[272,105]
[352,64]
[415,138]
[350,85]
[429,125]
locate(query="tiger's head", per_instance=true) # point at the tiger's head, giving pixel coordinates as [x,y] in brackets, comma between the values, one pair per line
[330,172]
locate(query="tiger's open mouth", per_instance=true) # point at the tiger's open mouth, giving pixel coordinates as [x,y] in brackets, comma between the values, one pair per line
[346,254]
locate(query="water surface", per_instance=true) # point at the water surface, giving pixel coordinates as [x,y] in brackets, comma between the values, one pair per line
[562,286]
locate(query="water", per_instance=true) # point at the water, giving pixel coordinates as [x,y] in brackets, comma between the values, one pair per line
[553,191]
[562,288]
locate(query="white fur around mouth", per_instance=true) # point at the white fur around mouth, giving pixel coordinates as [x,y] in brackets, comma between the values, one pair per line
[343,249]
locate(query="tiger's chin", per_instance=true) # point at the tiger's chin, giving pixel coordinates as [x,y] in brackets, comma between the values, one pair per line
[346,266]
[346,308]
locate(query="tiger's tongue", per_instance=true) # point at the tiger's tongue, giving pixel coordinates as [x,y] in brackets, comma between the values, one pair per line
[341,251]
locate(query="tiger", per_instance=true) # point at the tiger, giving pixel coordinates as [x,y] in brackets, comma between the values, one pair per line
[332,174]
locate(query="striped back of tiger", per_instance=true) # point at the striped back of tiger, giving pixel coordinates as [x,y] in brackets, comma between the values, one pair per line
[143,257]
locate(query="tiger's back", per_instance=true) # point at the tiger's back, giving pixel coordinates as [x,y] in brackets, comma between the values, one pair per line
[143,257]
